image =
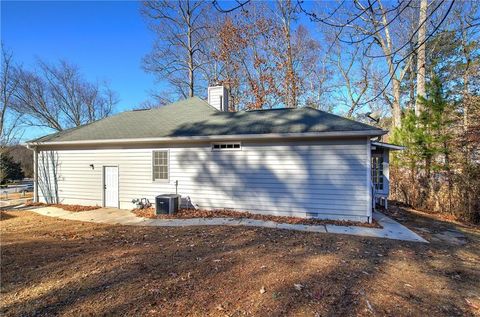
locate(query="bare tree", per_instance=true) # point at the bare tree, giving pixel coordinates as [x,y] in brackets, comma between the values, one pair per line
[385,28]
[355,75]
[466,15]
[237,4]
[48,169]
[9,119]
[58,97]
[313,72]
[266,62]
[378,19]
[228,55]
[181,30]
[290,87]
[245,59]
[422,30]
[259,67]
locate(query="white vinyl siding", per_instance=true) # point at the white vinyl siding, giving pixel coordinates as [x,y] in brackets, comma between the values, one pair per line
[327,178]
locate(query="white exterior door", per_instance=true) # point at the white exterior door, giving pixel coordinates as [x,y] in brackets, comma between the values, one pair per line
[110,186]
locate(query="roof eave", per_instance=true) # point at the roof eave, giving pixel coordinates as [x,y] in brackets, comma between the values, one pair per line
[266,136]
[389,146]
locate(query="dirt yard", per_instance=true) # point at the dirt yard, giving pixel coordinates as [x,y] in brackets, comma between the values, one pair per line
[59,267]
[14,196]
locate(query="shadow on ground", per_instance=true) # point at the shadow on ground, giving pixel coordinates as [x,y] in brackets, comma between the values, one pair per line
[6,216]
[58,267]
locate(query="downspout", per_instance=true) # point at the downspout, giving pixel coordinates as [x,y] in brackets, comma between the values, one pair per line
[370,196]
[35,174]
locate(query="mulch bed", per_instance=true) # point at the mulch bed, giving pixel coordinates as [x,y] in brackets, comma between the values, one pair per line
[223,213]
[72,208]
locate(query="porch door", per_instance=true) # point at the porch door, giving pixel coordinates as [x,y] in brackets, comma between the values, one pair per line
[110,186]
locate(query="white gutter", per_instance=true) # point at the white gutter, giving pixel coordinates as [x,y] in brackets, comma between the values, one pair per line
[217,137]
[389,146]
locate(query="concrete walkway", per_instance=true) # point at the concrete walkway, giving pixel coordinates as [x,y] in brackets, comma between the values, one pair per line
[391,228]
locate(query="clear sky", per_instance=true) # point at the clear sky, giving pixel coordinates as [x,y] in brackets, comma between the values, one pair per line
[106,40]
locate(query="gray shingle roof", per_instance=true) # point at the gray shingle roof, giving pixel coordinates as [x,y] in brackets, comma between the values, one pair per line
[194,117]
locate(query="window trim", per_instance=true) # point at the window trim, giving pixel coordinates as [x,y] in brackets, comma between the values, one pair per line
[213,144]
[160,180]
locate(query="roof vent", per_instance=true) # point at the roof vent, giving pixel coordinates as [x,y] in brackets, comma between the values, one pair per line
[218,97]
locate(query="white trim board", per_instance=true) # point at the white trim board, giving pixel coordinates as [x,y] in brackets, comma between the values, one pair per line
[267,136]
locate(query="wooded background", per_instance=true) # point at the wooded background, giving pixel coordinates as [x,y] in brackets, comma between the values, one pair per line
[411,64]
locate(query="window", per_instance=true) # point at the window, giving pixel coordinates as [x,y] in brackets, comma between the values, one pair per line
[377,172]
[226,146]
[160,165]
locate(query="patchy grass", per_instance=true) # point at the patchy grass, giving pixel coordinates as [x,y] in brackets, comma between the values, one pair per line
[59,267]
[223,213]
[72,208]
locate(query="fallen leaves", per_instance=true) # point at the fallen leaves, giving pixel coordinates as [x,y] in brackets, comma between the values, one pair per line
[217,271]
[224,213]
[72,208]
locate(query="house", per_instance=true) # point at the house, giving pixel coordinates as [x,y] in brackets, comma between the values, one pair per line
[290,162]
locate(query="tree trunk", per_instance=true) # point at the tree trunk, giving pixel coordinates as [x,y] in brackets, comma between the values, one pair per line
[290,84]
[411,92]
[191,78]
[190,54]
[291,77]
[421,55]
[396,107]
[466,77]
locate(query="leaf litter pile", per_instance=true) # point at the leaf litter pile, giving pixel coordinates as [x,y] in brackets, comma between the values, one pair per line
[224,213]
[72,208]
[54,267]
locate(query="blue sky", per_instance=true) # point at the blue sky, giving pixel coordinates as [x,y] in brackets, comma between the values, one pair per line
[107,40]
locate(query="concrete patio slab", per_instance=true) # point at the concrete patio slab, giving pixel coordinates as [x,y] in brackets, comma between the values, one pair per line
[307,228]
[391,228]
[259,223]
[358,231]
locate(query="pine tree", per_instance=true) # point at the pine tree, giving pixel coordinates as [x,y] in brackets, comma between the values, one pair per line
[9,169]
[426,136]
[428,145]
